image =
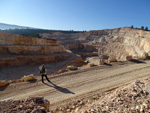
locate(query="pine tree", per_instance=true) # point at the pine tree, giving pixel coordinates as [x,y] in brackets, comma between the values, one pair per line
[132,26]
[142,27]
[146,28]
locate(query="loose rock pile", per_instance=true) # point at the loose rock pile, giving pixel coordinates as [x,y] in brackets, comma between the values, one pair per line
[131,98]
[30,105]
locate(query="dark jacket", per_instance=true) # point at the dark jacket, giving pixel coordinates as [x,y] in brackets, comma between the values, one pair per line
[43,71]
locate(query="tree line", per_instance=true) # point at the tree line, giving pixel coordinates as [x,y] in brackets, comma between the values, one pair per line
[35,32]
[142,28]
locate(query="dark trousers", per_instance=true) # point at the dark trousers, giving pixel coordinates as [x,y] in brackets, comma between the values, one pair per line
[45,77]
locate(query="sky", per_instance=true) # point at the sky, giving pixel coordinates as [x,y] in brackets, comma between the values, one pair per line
[76,14]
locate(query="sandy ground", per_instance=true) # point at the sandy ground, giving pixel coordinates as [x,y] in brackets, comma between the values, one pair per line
[78,83]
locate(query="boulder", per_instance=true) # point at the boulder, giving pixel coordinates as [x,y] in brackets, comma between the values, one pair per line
[71,67]
[3,83]
[28,78]
[95,60]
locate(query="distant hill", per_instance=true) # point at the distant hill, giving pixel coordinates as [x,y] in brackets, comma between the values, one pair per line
[28,31]
[9,26]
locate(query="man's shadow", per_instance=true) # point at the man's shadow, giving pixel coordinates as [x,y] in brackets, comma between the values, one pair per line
[137,61]
[61,89]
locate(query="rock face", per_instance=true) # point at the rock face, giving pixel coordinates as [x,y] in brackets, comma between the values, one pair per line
[21,49]
[121,43]
[72,42]
[17,50]
[31,60]
[124,42]
[14,39]
[28,78]
[17,44]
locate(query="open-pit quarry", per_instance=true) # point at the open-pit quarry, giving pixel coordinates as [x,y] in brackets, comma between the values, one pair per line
[88,71]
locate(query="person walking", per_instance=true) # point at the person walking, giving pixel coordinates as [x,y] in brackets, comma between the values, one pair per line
[43,72]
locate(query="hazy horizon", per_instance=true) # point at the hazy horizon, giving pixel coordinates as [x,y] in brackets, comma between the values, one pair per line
[27,27]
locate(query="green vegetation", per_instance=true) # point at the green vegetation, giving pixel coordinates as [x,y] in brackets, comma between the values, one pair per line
[35,32]
[146,28]
[142,27]
[32,35]
[132,26]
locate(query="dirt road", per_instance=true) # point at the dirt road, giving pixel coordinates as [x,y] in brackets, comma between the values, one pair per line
[78,83]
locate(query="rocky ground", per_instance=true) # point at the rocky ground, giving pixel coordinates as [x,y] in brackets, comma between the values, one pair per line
[130,98]
[89,90]
[30,105]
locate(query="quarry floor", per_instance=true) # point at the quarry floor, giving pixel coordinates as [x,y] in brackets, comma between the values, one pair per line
[82,83]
